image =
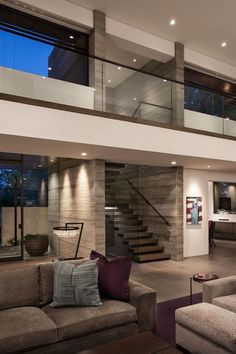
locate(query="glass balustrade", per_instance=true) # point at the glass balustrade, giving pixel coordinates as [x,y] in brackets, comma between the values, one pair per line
[52,72]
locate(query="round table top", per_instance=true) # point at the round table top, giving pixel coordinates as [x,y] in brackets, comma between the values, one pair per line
[202,277]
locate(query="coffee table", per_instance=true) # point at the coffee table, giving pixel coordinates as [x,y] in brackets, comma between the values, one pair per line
[142,343]
[200,278]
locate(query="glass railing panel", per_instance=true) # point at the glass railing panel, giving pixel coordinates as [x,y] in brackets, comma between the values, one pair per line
[209,111]
[135,94]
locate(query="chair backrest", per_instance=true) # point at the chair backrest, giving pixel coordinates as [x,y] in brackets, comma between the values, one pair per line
[211,227]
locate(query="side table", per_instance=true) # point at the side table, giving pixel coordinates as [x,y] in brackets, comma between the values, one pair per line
[200,278]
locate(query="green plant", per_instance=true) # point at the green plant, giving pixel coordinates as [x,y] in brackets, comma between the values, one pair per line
[11,242]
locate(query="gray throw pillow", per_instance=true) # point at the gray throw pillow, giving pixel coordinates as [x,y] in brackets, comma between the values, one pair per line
[75,285]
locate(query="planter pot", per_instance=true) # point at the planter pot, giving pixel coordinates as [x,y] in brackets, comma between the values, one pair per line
[36,247]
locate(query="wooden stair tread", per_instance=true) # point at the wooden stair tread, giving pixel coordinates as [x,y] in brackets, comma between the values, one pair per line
[127,223]
[146,249]
[133,228]
[142,241]
[151,257]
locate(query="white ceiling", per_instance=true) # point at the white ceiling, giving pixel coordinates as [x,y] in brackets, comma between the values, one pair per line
[201,25]
[21,145]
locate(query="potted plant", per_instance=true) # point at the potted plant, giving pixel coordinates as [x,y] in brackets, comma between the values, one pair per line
[36,244]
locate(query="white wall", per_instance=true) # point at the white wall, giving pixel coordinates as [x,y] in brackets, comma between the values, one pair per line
[23,84]
[21,120]
[202,121]
[199,184]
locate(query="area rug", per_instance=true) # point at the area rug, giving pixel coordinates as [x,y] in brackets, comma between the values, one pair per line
[166,316]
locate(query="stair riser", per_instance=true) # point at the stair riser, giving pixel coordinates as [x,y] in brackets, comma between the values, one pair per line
[153,250]
[132,229]
[140,243]
[127,223]
[151,257]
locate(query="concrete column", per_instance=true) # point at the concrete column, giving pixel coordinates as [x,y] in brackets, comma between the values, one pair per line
[177,89]
[77,194]
[97,68]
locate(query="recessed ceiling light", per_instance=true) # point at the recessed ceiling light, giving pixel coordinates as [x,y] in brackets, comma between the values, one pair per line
[208,166]
[173,162]
[134,60]
[172,22]
[164,80]
[49,68]
[135,98]
[119,68]
[109,81]
[84,154]
[39,166]
[223,44]
[72,37]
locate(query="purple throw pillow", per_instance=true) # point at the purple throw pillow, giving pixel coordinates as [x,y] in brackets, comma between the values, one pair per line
[113,276]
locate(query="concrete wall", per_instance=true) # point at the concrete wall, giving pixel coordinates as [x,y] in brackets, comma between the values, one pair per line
[125,98]
[76,193]
[200,184]
[35,222]
[163,187]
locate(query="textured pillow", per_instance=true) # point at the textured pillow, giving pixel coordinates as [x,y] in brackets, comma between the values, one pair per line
[113,276]
[75,285]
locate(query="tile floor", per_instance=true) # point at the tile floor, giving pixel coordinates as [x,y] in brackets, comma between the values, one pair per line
[169,278]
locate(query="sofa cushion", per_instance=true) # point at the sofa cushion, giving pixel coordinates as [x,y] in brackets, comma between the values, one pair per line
[19,287]
[78,321]
[46,281]
[24,328]
[227,302]
[113,276]
[211,322]
[75,285]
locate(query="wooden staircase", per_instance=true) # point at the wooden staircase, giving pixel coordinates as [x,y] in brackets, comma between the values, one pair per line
[141,244]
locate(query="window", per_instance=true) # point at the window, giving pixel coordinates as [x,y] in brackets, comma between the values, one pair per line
[36,46]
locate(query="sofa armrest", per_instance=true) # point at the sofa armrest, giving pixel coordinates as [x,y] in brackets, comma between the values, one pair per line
[219,287]
[144,300]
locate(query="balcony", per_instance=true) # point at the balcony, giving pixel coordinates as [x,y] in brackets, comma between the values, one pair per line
[119,92]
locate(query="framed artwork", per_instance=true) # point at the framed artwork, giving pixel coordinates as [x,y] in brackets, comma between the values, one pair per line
[194,210]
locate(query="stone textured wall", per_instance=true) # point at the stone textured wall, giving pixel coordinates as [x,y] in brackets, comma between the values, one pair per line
[77,193]
[163,188]
[97,48]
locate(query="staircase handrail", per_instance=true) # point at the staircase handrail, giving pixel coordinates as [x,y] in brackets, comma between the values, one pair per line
[147,201]
[150,104]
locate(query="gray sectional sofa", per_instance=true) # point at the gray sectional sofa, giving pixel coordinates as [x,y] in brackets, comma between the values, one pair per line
[210,327]
[29,325]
